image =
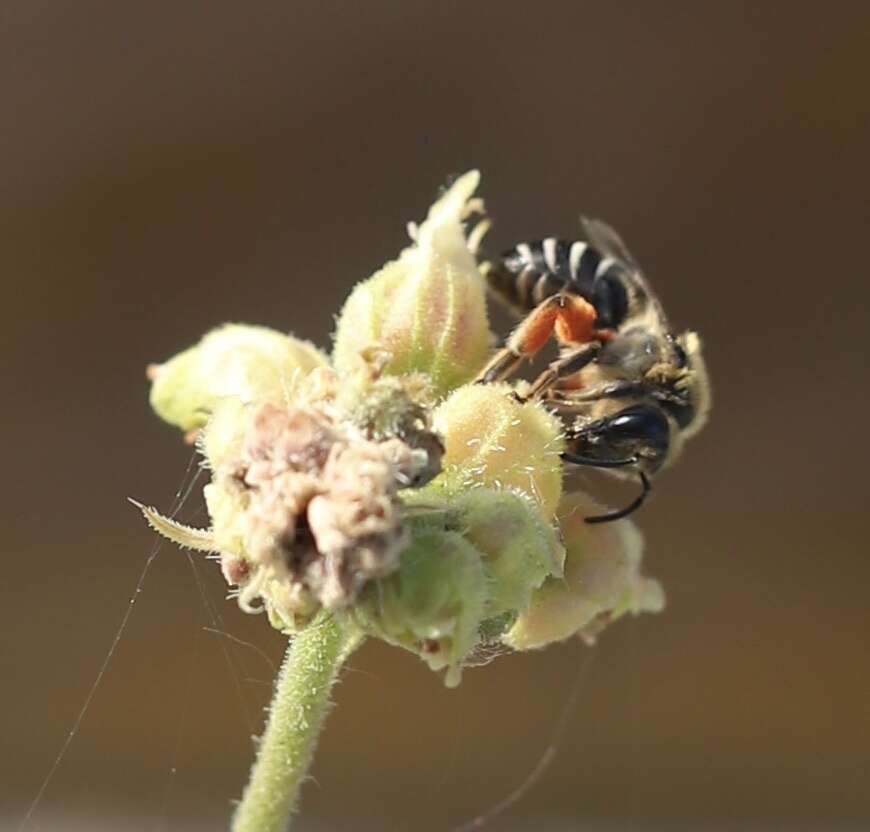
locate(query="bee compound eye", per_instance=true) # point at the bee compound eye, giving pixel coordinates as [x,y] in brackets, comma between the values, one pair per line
[642,422]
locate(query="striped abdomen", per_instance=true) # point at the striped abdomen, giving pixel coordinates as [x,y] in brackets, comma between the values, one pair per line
[532,272]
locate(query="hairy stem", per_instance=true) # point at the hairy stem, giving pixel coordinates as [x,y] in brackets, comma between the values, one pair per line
[296,715]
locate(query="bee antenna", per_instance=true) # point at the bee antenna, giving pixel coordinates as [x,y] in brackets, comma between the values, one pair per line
[631,507]
[592,462]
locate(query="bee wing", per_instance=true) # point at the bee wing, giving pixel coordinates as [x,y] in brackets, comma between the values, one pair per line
[607,241]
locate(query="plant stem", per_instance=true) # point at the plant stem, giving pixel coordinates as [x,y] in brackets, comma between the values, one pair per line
[296,715]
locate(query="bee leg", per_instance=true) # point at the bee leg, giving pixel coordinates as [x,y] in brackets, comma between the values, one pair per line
[563,367]
[575,321]
[633,506]
[579,459]
[502,365]
[607,390]
[532,333]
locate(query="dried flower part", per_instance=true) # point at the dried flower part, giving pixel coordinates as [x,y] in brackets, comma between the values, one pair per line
[307,501]
[602,581]
[433,605]
[250,363]
[383,408]
[426,310]
[491,439]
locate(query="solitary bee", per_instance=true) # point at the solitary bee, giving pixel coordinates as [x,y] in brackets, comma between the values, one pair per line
[628,390]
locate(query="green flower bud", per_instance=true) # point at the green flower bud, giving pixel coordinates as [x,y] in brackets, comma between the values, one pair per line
[602,581]
[520,550]
[491,439]
[433,604]
[426,310]
[252,363]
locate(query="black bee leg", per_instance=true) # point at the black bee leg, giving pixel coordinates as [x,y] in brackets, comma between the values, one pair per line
[607,390]
[633,506]
[563,367]
[503,365]
[578,459]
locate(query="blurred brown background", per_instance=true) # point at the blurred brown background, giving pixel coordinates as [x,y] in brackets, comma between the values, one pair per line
[168,167]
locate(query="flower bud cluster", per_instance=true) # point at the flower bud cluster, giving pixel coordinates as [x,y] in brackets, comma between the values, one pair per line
[428,511]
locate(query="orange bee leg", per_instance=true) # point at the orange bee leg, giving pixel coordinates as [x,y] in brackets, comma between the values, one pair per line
[533,332]
[575,320]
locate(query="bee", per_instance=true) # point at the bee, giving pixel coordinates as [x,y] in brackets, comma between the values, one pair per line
[628,390]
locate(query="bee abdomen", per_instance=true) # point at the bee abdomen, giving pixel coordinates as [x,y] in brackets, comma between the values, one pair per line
[523,291]
[532,272]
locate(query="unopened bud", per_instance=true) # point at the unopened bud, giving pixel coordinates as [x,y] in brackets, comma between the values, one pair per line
[602,581]
[520,550]
[433,604]
[251,363]
[491,439]
[426,310]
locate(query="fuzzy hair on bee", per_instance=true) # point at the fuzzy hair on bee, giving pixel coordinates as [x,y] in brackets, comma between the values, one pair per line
[629,390]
